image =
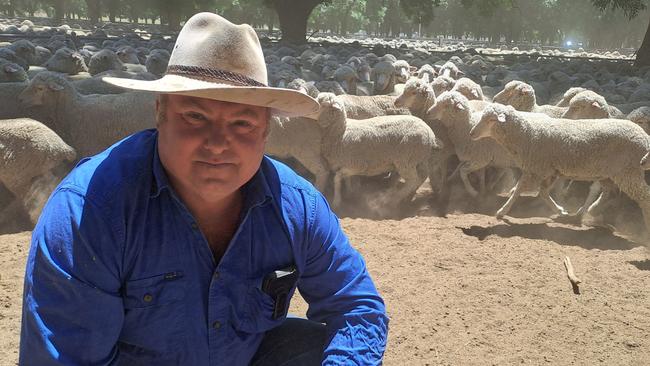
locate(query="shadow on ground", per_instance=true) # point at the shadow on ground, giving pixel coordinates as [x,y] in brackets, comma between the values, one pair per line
[591,238]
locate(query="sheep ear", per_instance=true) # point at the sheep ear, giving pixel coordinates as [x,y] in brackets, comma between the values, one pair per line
[425,78]
[475,93]
[501,117]
[460,107]
[595,104]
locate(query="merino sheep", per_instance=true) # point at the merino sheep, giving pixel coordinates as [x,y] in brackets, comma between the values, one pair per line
[11,72]
[450,69]
[89,123]
[362,107]
[25,50]
[522,97]
[641,116]
[442,84]
[403,144]
[157,61]
[383,75]
[105,60]
[568,95]
[453,110]
[469,88]
[299,138]
[66,61]
[29,151]
[589,105]
[591,150]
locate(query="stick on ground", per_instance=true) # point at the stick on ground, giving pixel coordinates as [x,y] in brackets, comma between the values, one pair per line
[571,274]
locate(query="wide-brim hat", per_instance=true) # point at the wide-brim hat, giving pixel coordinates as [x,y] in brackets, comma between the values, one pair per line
[216,59]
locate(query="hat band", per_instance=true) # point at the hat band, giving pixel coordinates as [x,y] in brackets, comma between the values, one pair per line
[210,73]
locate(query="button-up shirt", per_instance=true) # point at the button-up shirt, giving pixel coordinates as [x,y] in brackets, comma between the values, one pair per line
[120,274]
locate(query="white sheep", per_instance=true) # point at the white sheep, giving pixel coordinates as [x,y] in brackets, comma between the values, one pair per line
[641,116]
[28,152]
[591,150]
[299,138]
[89,123]
[369,147]
[469,88]
[522,97]
[455,113]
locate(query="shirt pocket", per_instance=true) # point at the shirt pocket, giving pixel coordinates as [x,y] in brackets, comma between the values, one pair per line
[154,315]
[259,312]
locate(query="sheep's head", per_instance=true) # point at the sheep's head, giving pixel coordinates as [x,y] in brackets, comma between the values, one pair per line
[128,54]
[11,72]
[402,71]
[415,90]
[645,162]
[25,50]
[44,87]
[469,89]
[641,116]
[105,60]
[587,105]
[332,109]
[67,61]
[442,84]
[156,63]
[517,94]
[383,74]
[363,70]
[449,105]
[348,78]
[428,70]
[493,116]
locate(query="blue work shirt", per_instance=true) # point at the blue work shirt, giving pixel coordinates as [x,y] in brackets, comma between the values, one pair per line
[120,274]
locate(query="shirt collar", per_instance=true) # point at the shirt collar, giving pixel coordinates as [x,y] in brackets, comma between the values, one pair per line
[256,191]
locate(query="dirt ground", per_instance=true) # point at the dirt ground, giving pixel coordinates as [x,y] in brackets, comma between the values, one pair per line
[468,289]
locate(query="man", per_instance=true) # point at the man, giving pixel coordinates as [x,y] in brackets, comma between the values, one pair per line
[182,245]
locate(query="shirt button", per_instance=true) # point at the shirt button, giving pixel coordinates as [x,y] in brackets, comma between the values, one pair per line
[216,275]
[147,298]
[216,325]
[194,226]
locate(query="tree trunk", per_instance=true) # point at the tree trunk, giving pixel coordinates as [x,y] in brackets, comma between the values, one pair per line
[643,54]
[113,6]
[293,17]
[94,11]
[59,10]
[11,9]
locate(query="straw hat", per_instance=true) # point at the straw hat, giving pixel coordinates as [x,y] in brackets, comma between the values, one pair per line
[216,59]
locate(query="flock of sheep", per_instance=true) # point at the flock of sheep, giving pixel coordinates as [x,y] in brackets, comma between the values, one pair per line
[400,117]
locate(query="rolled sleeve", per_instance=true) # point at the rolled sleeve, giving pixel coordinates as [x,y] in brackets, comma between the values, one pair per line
[340,293]
[72,308]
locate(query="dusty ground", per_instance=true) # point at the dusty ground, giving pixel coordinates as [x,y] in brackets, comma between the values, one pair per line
[471,290]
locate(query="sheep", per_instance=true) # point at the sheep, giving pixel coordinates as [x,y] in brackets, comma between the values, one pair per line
[42,55]
[156,62]
[589,105]
[11,107]
[383,75]
[105,60]
[645,161]
[8,54]
[568,95]
[66,61]
[593,150]
[363,107]
[11,72]
[89,123]
[641,116]
[427,69]
[522,97]
[25,50]
[128,55]
[470,89]
[348,78]
[375,146]
[450,69]
[298,138]
[306,87]
[442,84]
[453,110]
[330,86]
[402,71]
[29,151]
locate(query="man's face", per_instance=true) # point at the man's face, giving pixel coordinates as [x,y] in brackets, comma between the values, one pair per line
[209,148]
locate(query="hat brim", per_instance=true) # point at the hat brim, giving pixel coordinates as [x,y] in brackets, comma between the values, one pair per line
[283,102]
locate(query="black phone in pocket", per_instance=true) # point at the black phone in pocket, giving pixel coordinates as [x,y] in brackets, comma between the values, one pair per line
[278,285]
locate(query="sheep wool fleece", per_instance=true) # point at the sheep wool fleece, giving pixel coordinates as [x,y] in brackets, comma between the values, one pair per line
[118,272]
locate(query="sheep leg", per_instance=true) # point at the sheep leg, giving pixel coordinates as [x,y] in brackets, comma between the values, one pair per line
[316,165]
[497,179]
[523,181]
[635,186]
[481,181]
[597,194]
[466,168]
[338,180]
[412,181]
[545,193]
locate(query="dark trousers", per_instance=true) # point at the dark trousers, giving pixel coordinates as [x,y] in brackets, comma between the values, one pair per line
[297,342]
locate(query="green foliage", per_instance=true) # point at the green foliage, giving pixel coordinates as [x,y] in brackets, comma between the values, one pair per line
[630,7]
